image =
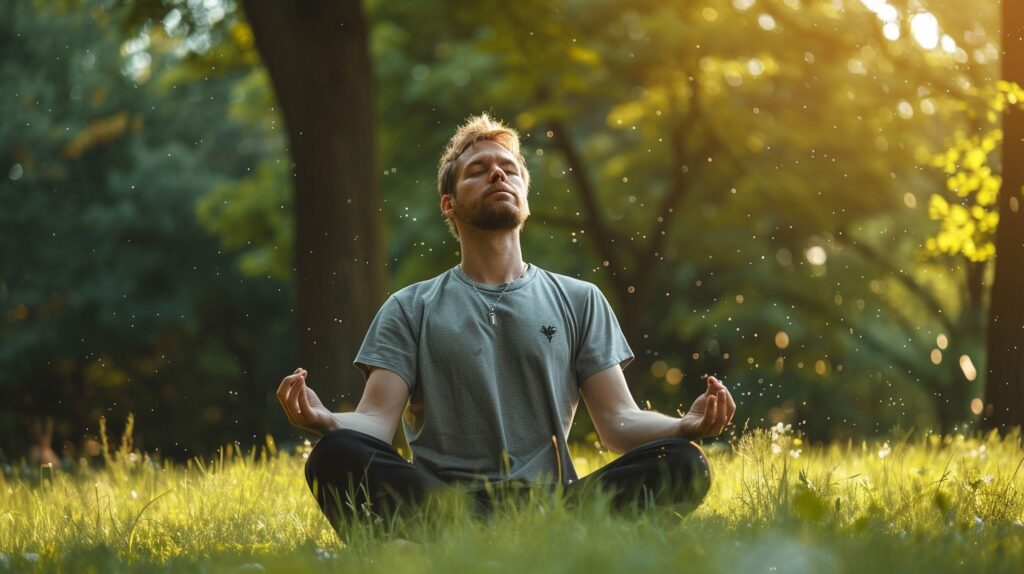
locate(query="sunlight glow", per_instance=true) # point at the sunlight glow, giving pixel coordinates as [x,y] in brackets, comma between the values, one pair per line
[967,366]
[885,11]
[674,376]
[891,30]
[659,368]
[948,44]
[755,66]
[820,367]
[781,339]
[816,255]
[925,29]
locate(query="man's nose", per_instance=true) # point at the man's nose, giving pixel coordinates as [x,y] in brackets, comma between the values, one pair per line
[497,174]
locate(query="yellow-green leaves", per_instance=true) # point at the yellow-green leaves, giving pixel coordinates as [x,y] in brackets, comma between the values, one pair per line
[967,212]
[966,231]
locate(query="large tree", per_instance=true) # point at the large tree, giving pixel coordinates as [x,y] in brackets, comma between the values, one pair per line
[317,56]
[1004,390]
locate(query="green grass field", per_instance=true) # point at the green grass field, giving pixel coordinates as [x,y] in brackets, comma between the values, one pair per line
[914,503]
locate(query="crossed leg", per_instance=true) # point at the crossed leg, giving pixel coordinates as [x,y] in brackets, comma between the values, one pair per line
[663,472]
[348,471]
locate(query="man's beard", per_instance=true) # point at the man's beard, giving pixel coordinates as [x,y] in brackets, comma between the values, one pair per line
[493,215]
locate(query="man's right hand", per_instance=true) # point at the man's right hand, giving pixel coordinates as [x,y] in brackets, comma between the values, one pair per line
[303,408]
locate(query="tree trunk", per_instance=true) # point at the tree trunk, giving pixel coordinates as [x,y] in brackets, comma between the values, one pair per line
[317,56]
[954,403]
[1004,387]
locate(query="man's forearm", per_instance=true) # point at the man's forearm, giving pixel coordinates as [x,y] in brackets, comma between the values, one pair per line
[364,423]
[638,427]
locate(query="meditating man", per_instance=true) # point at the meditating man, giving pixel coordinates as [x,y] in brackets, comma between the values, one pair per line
[495,354]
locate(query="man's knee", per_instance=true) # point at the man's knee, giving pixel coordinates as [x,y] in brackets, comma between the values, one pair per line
[688,467]
[338,453]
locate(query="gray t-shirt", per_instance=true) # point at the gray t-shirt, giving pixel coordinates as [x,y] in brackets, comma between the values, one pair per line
[494,402]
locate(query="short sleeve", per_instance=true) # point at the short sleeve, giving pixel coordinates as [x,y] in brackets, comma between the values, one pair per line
[602,343]
[390,343]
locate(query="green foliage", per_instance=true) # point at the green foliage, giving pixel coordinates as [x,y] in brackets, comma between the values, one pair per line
[777,139]
[252,212]
[252,215]
[968,224]
[755,172]
[114,298]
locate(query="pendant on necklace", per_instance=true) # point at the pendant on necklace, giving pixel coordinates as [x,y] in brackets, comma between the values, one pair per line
[493,322]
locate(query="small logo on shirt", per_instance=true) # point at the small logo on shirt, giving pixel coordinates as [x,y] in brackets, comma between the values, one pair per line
[548,331]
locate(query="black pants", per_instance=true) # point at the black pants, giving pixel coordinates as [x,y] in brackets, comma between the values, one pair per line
[348,469]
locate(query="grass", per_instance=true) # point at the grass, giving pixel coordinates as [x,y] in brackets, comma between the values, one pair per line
[912,503]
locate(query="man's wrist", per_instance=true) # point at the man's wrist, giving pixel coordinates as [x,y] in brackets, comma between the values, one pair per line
[333,423]
[684,430]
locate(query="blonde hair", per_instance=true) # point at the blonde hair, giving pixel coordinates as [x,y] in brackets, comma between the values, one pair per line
[477,128]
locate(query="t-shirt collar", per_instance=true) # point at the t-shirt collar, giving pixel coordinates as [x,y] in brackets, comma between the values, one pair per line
[531,271]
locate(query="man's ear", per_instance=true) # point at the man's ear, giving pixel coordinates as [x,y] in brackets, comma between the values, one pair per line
[446,206]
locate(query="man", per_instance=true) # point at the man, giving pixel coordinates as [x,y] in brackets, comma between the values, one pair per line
[495,354]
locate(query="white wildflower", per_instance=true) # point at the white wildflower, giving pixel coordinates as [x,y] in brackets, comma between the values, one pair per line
[324,554]
[780,430]
[886,449]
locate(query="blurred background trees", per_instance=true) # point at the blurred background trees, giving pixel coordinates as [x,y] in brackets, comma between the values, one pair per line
[116,300]
[764,189]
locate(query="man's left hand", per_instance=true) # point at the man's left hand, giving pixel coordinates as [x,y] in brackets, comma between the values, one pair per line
[709,414]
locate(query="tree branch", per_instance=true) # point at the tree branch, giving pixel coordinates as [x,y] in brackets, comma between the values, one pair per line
[868,338]
[571,222]
[870,255]
[588,195]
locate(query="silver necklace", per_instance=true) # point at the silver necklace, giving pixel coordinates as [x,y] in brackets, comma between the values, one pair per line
[490,311]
